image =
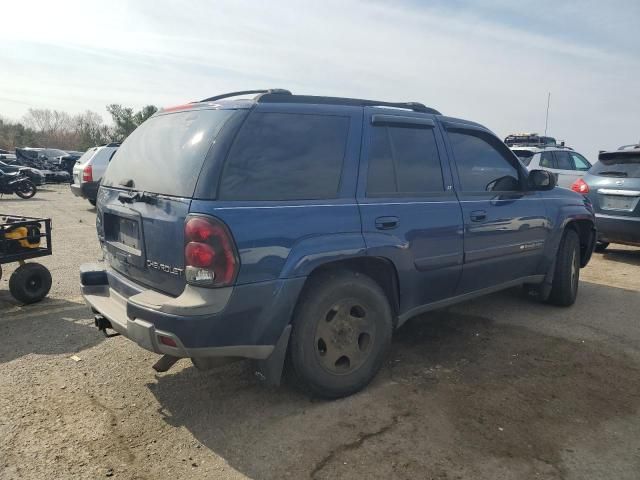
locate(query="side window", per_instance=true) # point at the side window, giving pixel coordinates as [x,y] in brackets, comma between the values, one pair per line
[563,160]
[283,156]
[483,165]
[546,160]
[403,160]
[580,162]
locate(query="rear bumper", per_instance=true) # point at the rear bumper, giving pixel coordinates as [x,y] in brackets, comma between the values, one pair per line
[617,229]
[88,190]
[242,321]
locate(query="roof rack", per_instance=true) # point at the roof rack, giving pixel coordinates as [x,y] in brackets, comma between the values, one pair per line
[276,97]
[279,91]
[279,95]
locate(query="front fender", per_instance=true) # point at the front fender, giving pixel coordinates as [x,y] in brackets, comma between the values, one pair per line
[311,252]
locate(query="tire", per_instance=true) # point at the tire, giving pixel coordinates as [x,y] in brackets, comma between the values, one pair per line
[601,246]
[92,202]
[30,283]
[564,288]
[341,332]
[27,189]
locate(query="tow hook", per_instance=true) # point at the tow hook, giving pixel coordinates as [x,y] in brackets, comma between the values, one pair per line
[102,324]
[165,363]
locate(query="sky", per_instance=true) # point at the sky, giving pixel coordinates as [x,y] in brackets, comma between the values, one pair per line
[492,61]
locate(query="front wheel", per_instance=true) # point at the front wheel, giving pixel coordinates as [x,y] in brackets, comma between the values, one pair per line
[26,189]
[564,288]
[341,333]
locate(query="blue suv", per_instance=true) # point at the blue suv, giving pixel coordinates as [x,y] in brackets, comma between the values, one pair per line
[300,231]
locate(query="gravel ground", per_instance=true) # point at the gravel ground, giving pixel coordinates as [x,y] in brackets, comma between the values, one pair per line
[497,388]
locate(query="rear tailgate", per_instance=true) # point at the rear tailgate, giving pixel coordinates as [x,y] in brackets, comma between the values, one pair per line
[615,183]
[144,239]
[146,193]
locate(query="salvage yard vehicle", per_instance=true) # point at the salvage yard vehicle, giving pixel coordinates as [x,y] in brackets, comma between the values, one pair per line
[565,163]
[24,238]
[33,174]
[31,157]
[613,187]
[89,169]
[306,229]
[16,182]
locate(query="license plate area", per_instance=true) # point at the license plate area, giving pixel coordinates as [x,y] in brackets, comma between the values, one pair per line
[123,233]
[618,203]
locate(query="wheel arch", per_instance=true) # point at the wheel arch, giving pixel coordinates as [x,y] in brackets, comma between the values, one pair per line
[585,228]
[380,269]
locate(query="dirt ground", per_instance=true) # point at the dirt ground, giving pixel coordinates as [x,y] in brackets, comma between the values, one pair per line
[497,388]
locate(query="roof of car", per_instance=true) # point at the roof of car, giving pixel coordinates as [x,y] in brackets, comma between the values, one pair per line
[278,95]
[540,148]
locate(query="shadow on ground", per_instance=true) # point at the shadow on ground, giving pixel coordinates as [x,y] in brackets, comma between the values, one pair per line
[631,257]
[460,397]
[48,327]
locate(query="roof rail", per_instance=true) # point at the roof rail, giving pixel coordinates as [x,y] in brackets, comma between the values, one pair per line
[278,97]
[280,91]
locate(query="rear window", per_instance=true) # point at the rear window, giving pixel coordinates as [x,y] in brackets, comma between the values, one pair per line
[617,165]
[165,154]
[525,156]
[87,155]
[285,156]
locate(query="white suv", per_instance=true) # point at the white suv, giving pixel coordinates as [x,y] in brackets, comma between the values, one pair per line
[567,164]
[89,169]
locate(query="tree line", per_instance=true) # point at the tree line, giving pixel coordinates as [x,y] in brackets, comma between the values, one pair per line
[58,129]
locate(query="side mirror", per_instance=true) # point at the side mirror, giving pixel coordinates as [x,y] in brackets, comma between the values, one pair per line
[541,180]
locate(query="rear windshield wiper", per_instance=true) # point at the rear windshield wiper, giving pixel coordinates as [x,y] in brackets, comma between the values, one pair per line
[613,173]
[125,197]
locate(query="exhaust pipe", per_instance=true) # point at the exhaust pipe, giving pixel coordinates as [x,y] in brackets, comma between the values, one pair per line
[102,324]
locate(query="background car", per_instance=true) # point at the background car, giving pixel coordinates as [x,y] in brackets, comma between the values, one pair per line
[89,169]
[567,164]
[613,186]
[36,176]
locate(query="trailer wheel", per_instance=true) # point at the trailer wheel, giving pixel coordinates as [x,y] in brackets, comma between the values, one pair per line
[30,283]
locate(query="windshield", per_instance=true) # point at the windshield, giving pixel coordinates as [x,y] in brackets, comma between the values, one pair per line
[525,156]
[617,165]
[166,153]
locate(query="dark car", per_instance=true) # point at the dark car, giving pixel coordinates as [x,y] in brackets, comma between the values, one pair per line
[613,186]
[32,157]
[35,175]
[309,228]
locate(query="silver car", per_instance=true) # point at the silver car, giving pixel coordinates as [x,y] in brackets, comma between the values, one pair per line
[613,186]
[567,164]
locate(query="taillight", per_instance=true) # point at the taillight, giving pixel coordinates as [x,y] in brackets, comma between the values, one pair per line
[210,255]
[87,174]
[580,186]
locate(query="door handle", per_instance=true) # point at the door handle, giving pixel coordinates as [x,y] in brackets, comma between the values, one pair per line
[387,223]
[478,216]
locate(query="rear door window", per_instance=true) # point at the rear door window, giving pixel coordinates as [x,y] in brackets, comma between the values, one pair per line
[483,162]
[403,160]
[563,161]
[286,156]
[547,160]
[166,153]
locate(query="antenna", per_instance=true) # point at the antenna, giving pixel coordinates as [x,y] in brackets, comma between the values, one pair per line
[546,120]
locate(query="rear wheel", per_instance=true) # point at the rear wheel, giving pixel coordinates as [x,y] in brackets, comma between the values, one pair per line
[26,189]
[601,246]
[30,283]
[564,288]
[341,332]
